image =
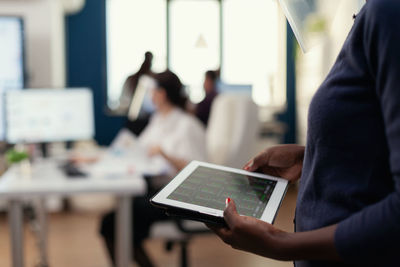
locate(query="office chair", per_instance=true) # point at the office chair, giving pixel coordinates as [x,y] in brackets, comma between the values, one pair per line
[178,232]
[230,140]
[232,130]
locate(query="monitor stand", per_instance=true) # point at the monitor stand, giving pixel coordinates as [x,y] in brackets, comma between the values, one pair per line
[44,149]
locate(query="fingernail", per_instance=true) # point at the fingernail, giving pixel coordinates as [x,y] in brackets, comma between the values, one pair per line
[248,165]
[227,200]
[251,164]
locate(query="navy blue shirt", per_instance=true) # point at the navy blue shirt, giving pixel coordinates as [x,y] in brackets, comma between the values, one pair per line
[204,107]
[351,172]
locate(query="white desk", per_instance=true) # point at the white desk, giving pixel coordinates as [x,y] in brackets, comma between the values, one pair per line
[48,180]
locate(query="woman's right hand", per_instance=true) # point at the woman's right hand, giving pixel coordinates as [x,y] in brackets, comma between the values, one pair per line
[284,161]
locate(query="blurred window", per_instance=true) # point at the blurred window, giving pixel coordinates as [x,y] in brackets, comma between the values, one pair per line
[194,42]
[251,34]
[133,27]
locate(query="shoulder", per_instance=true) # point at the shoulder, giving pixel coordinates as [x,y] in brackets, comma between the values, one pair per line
[383,11]
[379,24]
[380,5]
[190,122]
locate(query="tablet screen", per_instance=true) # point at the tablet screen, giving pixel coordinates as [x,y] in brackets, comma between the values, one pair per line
[209,187]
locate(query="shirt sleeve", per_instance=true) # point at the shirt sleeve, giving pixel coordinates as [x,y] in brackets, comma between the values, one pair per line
[372,236]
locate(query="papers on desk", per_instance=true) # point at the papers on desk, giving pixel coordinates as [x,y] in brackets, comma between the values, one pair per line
[126,157]
[115,164]
[125,140]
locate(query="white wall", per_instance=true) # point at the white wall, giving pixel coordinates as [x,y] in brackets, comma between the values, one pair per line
[44,39]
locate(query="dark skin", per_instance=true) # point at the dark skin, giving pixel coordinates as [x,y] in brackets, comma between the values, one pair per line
[284,161]
[261,238]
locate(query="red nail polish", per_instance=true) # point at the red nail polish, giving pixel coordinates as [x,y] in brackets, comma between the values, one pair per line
[227,201]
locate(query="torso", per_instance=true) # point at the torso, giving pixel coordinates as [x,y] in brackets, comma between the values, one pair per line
[346,165]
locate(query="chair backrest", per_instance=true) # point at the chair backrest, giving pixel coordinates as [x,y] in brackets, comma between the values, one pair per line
[232,129]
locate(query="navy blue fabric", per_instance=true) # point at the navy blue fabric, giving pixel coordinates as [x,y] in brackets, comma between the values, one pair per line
[351,172]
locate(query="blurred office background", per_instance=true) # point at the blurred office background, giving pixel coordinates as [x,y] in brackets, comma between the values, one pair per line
[97,44]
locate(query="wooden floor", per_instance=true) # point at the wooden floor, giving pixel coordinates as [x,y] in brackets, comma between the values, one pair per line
[74,242]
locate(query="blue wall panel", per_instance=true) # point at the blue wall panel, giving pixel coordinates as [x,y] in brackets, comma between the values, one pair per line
[86,63]
[289,117]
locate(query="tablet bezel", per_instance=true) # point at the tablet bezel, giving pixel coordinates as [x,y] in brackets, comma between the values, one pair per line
[270,210]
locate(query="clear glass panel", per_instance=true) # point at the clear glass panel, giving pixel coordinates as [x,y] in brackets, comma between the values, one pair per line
[253,48]
[309,18]
[360,3]
[194,42]
[133,27]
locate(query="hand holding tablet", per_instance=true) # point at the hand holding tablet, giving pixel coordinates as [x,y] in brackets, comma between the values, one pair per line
[200,190]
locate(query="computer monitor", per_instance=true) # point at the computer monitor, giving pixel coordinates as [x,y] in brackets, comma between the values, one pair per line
[141,104]
[49,115]
[11,59]
[235,88]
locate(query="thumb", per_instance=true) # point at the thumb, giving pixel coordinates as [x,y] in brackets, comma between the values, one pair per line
[231,215]
[258,161]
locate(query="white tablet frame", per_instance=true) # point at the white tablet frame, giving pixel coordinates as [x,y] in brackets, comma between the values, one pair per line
[269,211]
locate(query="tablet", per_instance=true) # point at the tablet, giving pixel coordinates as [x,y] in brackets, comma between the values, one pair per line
[199,192]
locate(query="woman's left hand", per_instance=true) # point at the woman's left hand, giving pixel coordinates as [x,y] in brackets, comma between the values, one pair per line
[250,234]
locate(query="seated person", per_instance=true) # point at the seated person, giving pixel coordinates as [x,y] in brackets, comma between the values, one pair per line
[128,92]
[172,133]
[129,87]
[210,88]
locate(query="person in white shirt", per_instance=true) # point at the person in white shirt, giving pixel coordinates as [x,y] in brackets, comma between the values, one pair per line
[172,133]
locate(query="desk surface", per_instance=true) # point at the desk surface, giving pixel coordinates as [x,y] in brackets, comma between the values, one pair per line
[47,179]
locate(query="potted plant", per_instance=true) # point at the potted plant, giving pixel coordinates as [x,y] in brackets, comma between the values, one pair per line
[20,158]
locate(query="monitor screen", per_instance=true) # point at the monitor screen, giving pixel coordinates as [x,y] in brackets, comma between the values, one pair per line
[141,104]
[235,88]
[209,187]
[49,115]
[12,60]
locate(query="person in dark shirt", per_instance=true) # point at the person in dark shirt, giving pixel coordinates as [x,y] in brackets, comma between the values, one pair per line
[210,88]
[128,92]
[348,207]
[129,87]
